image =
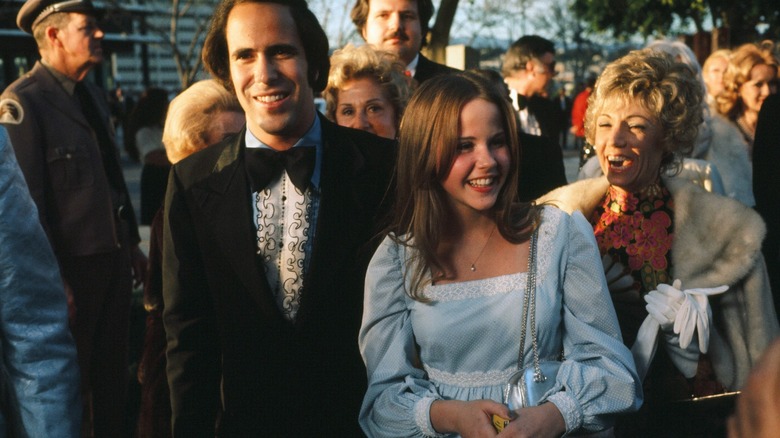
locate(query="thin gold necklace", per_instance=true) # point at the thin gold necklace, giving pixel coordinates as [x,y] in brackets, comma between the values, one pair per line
[474,263]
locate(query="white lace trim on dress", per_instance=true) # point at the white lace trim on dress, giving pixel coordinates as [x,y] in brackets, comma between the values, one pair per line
[473,379]
[569,409]
[504,283]
[484,288]
[422,417]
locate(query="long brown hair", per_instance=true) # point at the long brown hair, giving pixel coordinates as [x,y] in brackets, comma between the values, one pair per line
[428,140]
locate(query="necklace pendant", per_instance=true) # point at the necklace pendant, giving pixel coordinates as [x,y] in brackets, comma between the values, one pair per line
[474,263]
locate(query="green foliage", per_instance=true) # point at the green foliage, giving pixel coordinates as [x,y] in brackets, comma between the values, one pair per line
[624,18]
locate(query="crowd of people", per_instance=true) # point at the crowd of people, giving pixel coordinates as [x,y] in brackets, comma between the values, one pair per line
[412,262]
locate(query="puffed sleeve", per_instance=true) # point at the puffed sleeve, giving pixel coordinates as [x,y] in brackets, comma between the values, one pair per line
[398,399]
[598,376]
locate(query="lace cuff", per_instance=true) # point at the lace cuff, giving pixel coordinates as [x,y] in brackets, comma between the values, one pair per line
[422,416]
[570,410]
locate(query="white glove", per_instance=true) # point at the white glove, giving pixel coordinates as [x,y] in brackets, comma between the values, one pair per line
[683,311]
[664,304]
[619,279]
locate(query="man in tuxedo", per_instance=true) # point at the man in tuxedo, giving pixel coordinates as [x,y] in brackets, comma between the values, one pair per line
[267,238]
[528,69]
[65,145]
[400,27]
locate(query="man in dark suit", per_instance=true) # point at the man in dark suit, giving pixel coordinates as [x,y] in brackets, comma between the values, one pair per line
[400,27]
[65,147]
[264,265]
[541,167]
[528,69]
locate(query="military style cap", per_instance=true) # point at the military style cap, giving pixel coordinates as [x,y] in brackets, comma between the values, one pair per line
[33,11]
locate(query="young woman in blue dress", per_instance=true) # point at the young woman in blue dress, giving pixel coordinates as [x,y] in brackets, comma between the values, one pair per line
[444,292]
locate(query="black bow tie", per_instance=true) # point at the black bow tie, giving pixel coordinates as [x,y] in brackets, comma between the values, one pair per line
[522,102]
[265,165]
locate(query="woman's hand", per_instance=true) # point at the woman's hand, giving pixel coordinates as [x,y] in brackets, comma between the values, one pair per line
[537,421]
[469,419]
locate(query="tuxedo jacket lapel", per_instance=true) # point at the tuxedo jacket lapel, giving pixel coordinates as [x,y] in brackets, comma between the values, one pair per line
[225,200]
[427,69]
[339,220]
[342,224]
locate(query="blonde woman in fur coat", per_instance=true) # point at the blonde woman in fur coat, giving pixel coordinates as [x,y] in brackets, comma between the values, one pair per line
[684,266]
[719,161]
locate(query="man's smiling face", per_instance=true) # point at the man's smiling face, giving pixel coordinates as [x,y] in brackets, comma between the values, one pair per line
[268,68]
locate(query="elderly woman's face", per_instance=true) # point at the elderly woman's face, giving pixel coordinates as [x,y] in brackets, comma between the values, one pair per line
[361,104]
[628,144]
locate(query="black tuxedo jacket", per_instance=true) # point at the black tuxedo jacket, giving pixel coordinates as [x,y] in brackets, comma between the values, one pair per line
[541,167]
[547,115]
[427,69]
[226,336]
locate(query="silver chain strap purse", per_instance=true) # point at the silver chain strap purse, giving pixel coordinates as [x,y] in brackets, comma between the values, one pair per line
[527,386]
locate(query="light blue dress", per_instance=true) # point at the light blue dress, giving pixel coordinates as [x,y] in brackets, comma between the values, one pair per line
[468,336]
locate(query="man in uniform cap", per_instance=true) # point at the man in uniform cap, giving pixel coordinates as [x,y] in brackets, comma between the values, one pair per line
[66,150]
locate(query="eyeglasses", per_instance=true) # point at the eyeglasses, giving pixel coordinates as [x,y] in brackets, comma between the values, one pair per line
[546,68]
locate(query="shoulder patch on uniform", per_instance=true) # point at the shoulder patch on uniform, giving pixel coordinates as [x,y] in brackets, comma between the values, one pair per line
[11,112]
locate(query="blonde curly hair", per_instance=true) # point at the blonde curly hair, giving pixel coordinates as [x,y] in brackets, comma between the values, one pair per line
[741,62]
[385,68]
[191,117]
[669,89]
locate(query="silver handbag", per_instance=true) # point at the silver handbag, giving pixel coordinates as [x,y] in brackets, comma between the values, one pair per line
[528,385]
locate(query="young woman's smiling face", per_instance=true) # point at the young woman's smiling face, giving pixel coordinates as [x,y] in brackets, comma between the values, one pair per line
[482,160]
[760,86]
[628,145]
